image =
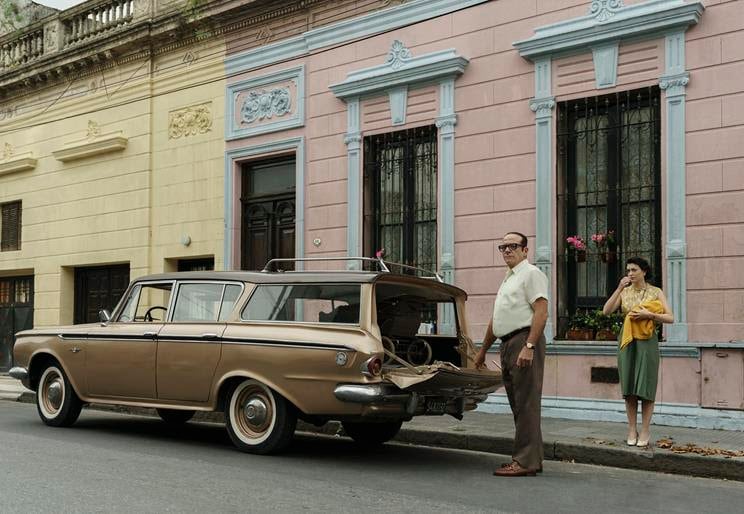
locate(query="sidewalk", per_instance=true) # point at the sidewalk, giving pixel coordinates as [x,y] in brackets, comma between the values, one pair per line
[685,451]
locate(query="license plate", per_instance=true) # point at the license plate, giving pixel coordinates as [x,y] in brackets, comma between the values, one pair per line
[436,406]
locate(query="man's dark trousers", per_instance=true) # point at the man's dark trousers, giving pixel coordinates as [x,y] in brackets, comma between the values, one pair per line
[524,390]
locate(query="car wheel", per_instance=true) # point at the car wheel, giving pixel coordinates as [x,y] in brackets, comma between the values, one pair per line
[258,419]
[56,401]
[175,416]
[371,434]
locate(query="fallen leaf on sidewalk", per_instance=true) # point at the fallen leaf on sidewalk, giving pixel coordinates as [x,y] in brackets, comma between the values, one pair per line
[667,444]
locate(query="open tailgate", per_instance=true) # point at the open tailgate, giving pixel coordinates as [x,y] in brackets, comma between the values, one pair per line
[443,378]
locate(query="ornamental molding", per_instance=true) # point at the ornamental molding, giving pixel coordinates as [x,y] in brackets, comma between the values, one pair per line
[12,163]
[604,10]
[542,106]
[190,121]
[401,69]
[261,104]
[93,143]
[398,55]
[378,22]
[264,104]
[610,21]
[674,84]
[447,121]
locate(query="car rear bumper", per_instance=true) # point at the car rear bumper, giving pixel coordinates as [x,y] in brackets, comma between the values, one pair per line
[378,398]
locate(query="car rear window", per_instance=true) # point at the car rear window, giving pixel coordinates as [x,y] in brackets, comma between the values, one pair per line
[314,303]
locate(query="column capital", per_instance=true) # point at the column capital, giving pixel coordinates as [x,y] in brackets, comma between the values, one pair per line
[543,107]
[674,85]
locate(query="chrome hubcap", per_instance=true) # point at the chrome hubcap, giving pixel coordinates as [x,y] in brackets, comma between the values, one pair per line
[255,411]
[54,393]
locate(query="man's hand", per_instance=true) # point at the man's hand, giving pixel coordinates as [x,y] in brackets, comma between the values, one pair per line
[480,358]
[524,360]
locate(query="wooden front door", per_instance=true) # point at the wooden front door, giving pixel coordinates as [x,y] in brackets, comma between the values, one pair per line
[16,314]
[98,288]
[268,213]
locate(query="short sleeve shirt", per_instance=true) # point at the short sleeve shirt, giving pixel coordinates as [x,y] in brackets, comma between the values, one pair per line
[521,287]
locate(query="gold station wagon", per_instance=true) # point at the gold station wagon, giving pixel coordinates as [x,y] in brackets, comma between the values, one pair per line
[266,348]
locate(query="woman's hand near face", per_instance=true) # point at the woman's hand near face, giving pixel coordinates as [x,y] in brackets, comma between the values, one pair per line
[624,282]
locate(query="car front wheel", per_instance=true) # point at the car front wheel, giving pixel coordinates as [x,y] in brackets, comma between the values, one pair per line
[56,401]
[371,434]
[175,416]
[259,420]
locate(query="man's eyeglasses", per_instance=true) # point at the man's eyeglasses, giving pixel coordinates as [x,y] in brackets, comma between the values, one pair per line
[511,246]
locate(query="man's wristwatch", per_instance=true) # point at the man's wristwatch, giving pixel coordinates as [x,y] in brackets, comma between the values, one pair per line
[530,346]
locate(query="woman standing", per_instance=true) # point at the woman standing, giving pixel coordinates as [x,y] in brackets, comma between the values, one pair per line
[644,306]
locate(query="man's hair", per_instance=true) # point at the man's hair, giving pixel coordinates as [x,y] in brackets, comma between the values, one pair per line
[523,238]
[641,263]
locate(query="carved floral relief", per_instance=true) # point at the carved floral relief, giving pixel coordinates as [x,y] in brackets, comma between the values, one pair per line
[190,121]
[259,105]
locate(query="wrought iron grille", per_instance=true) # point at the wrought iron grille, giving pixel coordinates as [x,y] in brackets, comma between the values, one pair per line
[609,162]
[400,196]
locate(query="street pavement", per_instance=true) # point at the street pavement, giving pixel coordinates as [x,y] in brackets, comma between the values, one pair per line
[685,451]
[109,462]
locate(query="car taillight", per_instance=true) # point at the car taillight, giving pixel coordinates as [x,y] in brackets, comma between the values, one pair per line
[372,367]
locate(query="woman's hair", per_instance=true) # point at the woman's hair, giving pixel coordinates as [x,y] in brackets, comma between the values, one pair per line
[641,263]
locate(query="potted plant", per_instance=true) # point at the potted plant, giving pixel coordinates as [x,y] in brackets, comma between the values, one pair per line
[608,326]
[581,327]
[606,245]
[577,245]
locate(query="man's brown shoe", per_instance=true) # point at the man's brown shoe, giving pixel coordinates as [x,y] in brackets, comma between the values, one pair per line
[508,464]
[514,470]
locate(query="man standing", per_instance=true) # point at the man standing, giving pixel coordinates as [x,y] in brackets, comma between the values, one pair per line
[519,316]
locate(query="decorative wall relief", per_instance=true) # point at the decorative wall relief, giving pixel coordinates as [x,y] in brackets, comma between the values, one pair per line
[398,55]
[190,121]
[603,10]
[264,104]
[11,163]
[92,144]
[260,105]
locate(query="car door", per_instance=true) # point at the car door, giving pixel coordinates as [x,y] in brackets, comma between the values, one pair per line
[189,344]
[121,355]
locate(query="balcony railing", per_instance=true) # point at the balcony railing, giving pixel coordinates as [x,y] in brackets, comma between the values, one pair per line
[84,23]
[98,20]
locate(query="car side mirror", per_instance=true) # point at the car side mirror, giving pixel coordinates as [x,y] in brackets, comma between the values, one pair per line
[104,315]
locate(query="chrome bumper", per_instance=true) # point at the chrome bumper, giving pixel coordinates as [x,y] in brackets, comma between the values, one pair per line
[19,373]
[378,398]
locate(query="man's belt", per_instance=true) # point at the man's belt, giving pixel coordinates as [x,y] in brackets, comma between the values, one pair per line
[513,333]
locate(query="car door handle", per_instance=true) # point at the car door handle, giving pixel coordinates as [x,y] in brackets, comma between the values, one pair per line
[151,335]
[209,335]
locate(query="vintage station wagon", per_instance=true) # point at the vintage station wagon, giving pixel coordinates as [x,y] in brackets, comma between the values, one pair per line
[267,348]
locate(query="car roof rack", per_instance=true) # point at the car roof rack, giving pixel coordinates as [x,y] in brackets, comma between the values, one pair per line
[382,266]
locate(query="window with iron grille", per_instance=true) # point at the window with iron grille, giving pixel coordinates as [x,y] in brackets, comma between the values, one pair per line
[400,196]
[10,226]
[609,183]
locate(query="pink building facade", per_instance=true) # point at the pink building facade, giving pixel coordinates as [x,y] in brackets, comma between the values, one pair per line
[432,127]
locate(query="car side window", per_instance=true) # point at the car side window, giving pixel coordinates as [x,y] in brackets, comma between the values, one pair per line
[314,303]
[232,292]
[146,303]
[198,302]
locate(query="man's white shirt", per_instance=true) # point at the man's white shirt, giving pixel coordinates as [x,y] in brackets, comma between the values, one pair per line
[522,286]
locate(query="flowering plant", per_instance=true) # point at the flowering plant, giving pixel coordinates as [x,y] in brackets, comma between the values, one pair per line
[604,238]
[576,243]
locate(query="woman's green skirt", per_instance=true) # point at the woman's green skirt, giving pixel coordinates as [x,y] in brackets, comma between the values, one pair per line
[638,367]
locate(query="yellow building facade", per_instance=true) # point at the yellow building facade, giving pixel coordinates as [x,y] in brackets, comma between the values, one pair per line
[111,130]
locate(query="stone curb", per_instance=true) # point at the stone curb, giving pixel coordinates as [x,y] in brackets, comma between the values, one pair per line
[571,451]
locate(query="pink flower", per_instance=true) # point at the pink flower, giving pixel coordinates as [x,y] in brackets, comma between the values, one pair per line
[576,242]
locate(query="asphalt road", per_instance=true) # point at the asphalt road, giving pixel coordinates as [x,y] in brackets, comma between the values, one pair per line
[116,463]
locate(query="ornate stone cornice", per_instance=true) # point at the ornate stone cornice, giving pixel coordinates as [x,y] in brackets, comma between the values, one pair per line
[12,163]
[94,143]
[604,10]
